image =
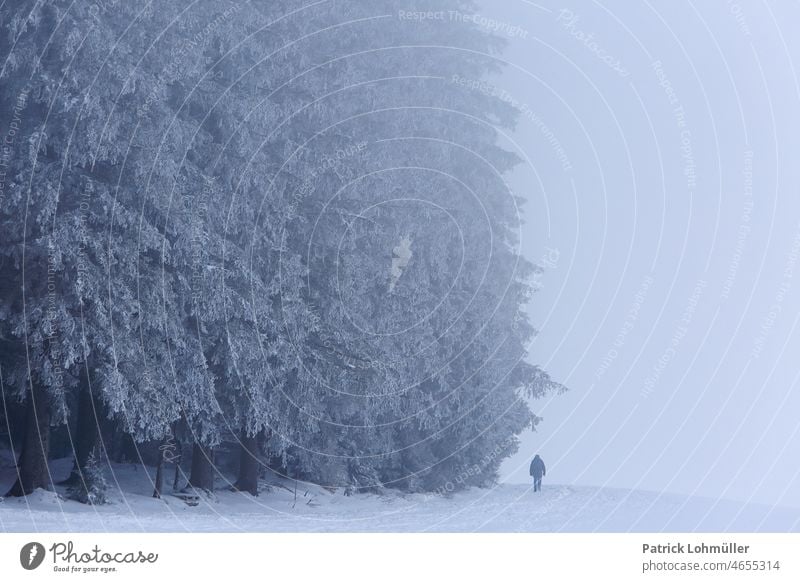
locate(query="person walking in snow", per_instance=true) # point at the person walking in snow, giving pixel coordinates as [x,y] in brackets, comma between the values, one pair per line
[537,471]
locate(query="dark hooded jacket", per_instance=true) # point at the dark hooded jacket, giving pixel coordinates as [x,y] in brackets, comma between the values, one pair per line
[538,469]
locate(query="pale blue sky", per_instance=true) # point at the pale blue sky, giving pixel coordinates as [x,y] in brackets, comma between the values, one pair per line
[664,171]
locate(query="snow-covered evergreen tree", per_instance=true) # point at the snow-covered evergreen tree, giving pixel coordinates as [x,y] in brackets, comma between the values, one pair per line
[269,223]
[92,488]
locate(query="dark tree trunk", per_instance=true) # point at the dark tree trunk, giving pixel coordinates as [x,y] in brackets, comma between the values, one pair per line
[87,431]
[166,455]
[33,471]
[249,463]
[202,476]
[159,484]
[176,481]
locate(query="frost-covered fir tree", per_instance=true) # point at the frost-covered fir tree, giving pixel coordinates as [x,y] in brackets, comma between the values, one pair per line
[92,487]
[293,235]
[420,366]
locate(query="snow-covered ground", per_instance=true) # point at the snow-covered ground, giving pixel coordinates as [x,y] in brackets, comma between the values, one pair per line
[505,508]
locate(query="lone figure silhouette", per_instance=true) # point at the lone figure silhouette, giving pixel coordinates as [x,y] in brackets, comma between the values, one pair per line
[537,471]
